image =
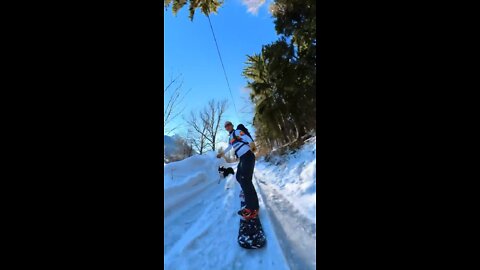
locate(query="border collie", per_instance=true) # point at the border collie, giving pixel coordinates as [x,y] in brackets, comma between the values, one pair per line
[225,171]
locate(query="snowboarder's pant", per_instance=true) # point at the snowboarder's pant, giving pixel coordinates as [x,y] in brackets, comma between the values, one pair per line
[244,177]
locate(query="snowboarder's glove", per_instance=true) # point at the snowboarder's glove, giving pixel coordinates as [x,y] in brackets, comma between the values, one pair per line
[253,147]
[219,155]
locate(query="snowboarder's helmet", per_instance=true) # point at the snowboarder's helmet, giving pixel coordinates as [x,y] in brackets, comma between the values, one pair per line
[228,123]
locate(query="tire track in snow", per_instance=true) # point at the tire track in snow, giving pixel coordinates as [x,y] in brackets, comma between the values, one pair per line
[196,184]
[295,232]
[200,225]
[183,216]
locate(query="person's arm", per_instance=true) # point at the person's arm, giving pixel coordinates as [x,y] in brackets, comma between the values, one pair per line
[247,139]
[224,151]
[227,149]
[244,137]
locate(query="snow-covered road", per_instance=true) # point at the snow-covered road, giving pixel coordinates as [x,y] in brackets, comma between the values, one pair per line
[201,224]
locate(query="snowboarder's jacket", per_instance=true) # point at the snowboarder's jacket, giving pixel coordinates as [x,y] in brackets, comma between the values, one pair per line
[240,142]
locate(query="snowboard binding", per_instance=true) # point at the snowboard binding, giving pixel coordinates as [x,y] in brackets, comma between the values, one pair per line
[248,214]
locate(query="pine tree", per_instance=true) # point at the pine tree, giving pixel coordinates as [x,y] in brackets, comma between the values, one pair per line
[283,75]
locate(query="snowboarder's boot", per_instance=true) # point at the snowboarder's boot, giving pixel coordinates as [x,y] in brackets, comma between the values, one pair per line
[248,214]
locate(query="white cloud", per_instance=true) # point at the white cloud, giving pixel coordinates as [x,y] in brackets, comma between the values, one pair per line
[253,5]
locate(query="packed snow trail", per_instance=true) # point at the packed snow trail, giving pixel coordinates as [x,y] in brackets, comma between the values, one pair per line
[201,223]
[296,233]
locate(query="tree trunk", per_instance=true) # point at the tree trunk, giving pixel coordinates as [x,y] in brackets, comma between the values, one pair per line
[201,146]
[213,143]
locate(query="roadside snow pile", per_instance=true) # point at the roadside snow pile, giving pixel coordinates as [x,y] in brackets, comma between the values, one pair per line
[176,172]
[189,176]
[294,176]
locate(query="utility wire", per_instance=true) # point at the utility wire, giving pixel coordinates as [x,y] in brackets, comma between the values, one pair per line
[221,61]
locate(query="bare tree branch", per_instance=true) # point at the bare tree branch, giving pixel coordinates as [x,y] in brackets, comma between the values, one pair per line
[199,139]
[207,124]
[212,116]
[172,110]
[172,81]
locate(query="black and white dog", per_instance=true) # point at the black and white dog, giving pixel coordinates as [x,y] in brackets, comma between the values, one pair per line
[225,171]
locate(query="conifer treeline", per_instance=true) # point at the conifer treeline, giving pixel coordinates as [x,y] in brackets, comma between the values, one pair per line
[282,76]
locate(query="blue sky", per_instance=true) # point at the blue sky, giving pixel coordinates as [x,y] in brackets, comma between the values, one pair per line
[190,50]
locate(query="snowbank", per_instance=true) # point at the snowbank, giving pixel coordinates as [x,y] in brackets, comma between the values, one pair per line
[189,176]
[294,176]
[187,170]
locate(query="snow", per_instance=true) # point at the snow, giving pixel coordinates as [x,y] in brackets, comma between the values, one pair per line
[294,177]
[201,223]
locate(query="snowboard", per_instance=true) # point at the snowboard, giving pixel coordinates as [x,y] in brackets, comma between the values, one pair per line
[250,234]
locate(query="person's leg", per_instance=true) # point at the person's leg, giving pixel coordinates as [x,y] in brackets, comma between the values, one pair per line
[244,177]
[239,173]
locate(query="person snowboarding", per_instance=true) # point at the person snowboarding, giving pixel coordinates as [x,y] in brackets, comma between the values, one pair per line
[250,234]
[243,145]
